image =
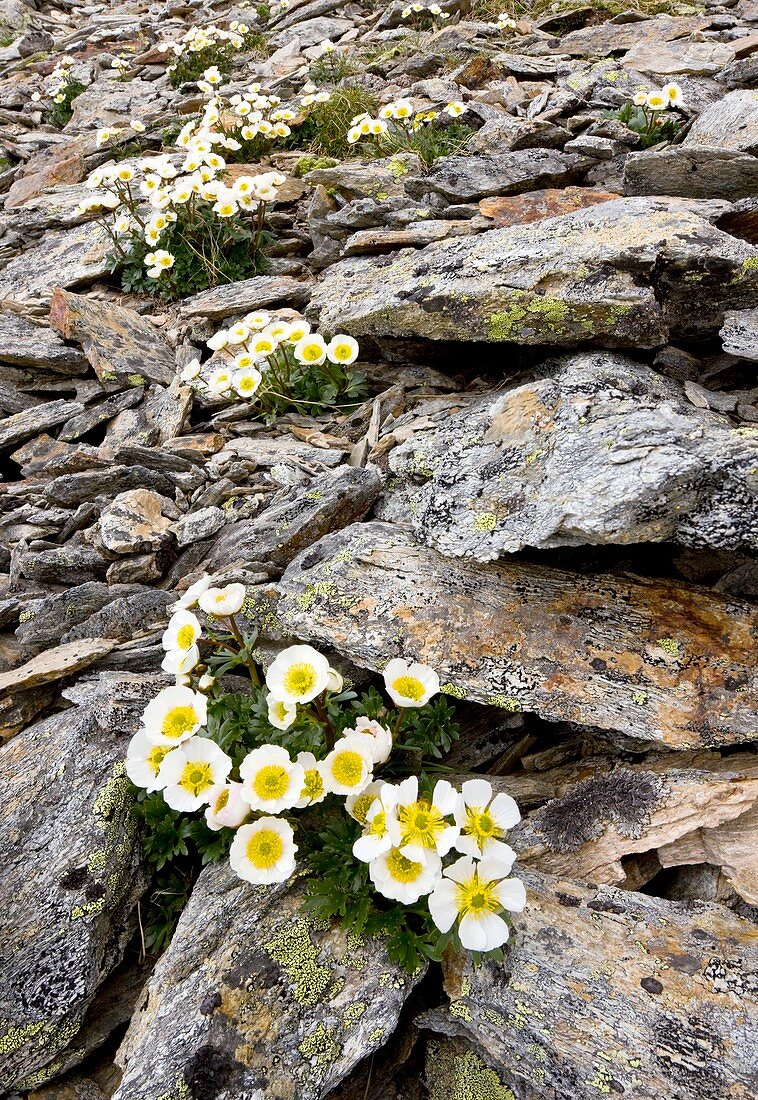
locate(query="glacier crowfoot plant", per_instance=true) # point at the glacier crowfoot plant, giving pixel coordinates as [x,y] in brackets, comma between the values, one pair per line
[298,773]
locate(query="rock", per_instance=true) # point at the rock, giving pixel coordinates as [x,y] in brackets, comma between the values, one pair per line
[47,621]
[415,235]
[253,999]
[631,272]
[73,563]
[598,450]
[684,58]
[740,333]
[72,870]
[272,540]
[23,425]
[655,661]
[697,172]
[468,179]
[133,523]
[199,525]
[29,345]
[310,32]
[605,38]
[731,123]
[99,413]
[67,259]
[259,292]
[56,663]
[593,974]
[113,103]
[603,811]
[120,345]
[549,202]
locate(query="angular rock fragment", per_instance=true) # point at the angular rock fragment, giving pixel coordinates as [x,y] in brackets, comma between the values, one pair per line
[740,333]
[68,259]
[274,538]
[72,869]
[259,292]
[598,450]
[56,663]
[731,122]
[134,522]
[120,345]
[607,991]
[652,660]
[254,997]
[23,425]
[630,272]
[29,345]
[468,179]
[695,172]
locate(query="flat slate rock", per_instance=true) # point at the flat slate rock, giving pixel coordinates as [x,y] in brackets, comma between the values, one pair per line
[598,449]
[259,1000]
[693,172]
[72,871]
[121,345]
[731,122]
[260,292]
[25,344]
[468,179]
[607,991]
[21,426]
[68,259]
[740,333]
[653,660]
[632,272]
[55,664]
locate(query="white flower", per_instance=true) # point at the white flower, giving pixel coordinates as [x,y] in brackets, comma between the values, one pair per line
[191,371]
[477,893]
[298,674]
[263,344]
[271,782]
[174,715]
[259,320]
[182,632]
[484,820]
[381,830]
[190,773]
[279,331]
[402,879]
[226,207]
[298,331]
[639,99]
[264,852]
[342,349]
[206,681]
[193,593]
[220,382]
[311,350]
[246,382]
[281,714]
[410,685]
[349,767]
[674,93]
[137,126]
[223,601]
[226,807]
[179,662]
[143,761]
[380,737]
[424,827]
[218,340]
[238,333]
[336,682]
[314,789]
[657,101]
[455,109]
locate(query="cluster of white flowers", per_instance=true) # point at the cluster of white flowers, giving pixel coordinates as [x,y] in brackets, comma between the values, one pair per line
[417,9]
[259,349]
[505,23]
[398,118]
[58,82]
[247,115]
[147,200]
[670,95]
[405,836]
[197,39]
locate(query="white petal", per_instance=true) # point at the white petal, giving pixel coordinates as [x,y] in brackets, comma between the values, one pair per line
[460,871]
[476,792]
[442,906]
[505,811]
[468,846]
[445,797]
[511,894]
[484,933]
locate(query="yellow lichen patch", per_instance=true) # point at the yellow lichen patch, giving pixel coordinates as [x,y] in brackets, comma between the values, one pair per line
[353,1014]
[485,521]
[462,1077]
[320,1047]
[297,955]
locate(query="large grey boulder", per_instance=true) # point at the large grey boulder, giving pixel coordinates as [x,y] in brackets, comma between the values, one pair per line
[72,869]
[598,449]
[627,273]
[696,172]
[468,179]
[731,122]
[254,999]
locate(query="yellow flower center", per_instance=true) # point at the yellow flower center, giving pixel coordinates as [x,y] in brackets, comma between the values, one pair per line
[362,806]
[420,824]
[477,897]
[311,353]
[155,756]
[271,782]
[264,849]
[196,777]
[401,868]
[409,687]
[178,721]
[480,825]
[185,636]
[300,679]
[313,785]
[248,384]
[378,825]
[222,800]
[341,352]
[348,768]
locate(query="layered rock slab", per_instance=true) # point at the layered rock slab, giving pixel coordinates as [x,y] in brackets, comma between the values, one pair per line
[607,991]
[627,273]
[598,449]
[251,998]
[72,869]
[656,661]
